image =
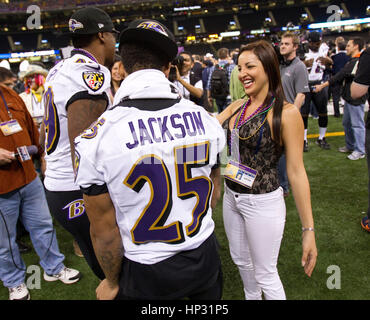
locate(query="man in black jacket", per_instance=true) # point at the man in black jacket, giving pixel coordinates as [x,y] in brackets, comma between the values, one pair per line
[360,87]
[339,61]
[353,117]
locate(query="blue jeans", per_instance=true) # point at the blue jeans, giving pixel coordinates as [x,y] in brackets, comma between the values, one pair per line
[29,204]
[222,104]
[354,127]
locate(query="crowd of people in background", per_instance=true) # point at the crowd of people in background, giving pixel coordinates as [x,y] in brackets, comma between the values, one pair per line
[261,95]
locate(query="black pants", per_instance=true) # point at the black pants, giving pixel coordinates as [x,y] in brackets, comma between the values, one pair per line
[320,100]
[68,209]
[335,91]
[194,274]
[213,292]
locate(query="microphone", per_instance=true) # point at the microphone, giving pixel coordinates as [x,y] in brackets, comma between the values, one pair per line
[24,153]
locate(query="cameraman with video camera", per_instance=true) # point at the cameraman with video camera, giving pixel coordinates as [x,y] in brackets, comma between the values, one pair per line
[189,85]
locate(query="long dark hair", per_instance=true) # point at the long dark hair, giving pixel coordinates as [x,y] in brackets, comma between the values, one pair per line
[117,58]
[267,55]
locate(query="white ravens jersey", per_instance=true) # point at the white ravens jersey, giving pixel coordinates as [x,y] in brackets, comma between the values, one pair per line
[156,167]
[316,72]
[77,77]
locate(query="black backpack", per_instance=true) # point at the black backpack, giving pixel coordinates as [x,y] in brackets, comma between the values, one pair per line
[219,82]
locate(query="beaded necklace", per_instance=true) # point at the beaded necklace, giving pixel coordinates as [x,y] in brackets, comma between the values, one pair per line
[86,53]
[240,119]
[240,122]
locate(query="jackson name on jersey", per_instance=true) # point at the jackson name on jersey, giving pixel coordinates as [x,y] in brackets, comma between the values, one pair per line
[156,167]
[156,130]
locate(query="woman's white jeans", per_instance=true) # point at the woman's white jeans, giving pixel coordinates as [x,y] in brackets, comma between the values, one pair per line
[254,225]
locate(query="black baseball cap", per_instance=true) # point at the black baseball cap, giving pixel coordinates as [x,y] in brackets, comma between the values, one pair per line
[314,36]
[151,32]
[90,20]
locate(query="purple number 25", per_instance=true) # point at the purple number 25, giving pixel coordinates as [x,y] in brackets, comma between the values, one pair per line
[150,227]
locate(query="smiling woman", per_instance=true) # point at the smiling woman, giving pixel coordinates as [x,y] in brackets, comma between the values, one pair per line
[259,73]
[258,131]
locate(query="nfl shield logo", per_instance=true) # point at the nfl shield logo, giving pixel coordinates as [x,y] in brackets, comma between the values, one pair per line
[93,79]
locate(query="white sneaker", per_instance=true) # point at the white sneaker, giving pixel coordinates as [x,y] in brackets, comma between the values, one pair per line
[355,155]
[19,293]
[345,150]
[67,276]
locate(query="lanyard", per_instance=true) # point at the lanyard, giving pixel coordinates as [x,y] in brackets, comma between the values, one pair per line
[6,105]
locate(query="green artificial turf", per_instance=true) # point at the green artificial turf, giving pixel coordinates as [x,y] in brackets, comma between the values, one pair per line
[339,201]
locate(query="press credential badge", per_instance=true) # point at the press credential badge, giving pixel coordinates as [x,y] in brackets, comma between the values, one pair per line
[10,127]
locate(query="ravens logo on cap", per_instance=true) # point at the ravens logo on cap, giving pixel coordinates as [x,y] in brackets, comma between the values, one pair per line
[152,25]
[74,25]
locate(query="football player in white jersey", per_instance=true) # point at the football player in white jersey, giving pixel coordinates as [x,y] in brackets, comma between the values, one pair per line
[75,96]
[316,61]
[146,169]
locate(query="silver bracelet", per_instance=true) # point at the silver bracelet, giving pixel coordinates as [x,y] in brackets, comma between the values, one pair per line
[308,229]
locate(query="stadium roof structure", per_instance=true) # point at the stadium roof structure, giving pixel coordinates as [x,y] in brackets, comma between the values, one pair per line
[57,12]
[187,19]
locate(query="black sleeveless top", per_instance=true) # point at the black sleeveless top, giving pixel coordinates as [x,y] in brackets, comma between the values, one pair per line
[258,152]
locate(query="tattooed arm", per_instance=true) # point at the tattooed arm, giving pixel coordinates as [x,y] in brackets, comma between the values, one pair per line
[81,114]
[107,242]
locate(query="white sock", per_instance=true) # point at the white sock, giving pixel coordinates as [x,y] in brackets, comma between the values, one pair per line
[322,132]
[305,134]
